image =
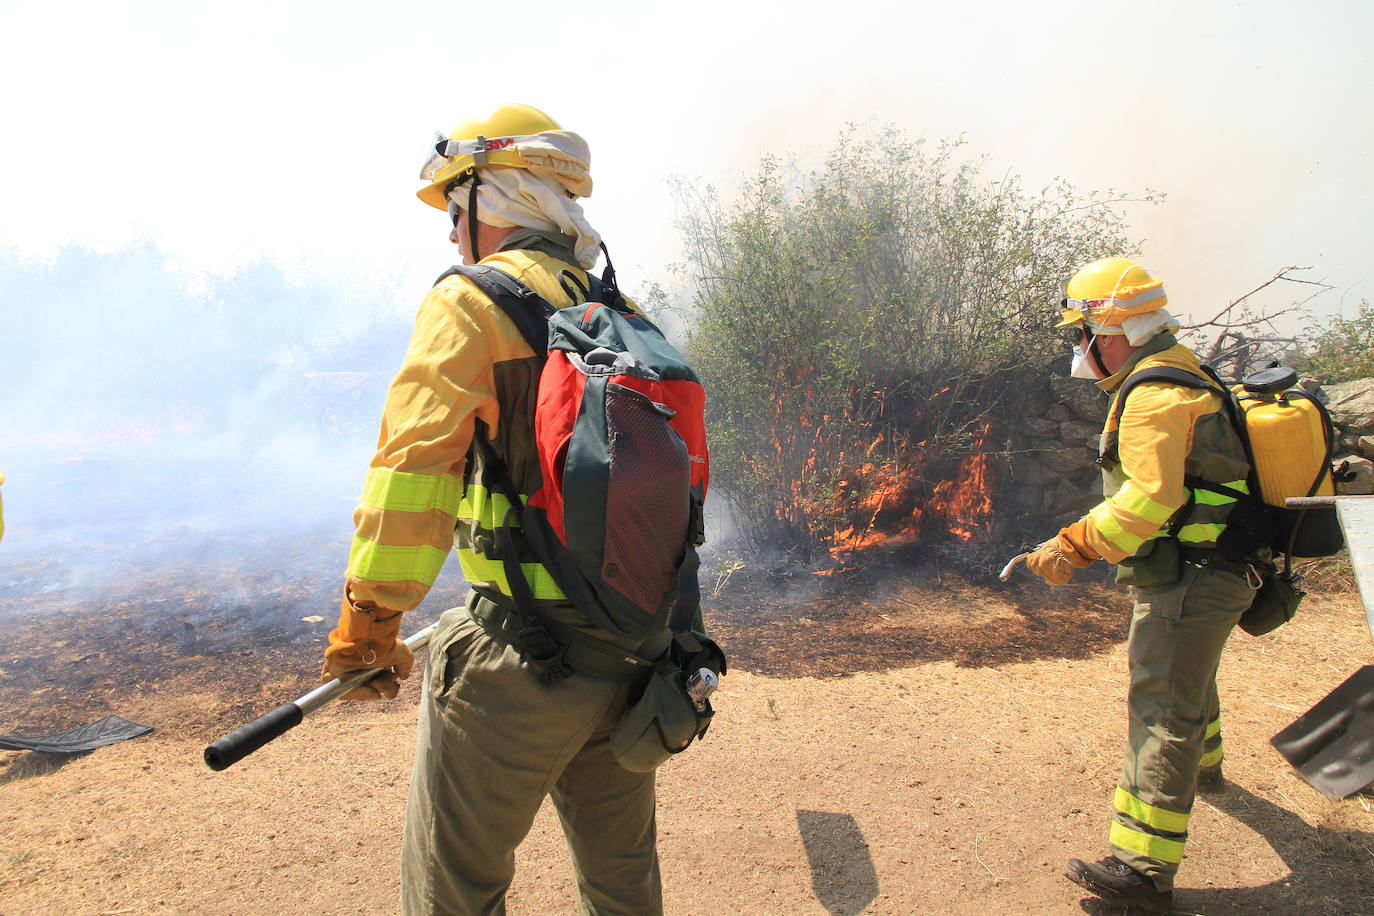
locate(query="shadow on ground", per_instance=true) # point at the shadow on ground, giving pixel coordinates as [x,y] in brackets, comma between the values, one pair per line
[842,871]
[1329,865]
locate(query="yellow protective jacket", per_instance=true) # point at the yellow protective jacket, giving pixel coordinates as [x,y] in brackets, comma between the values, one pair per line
[1166,432]
[467,368]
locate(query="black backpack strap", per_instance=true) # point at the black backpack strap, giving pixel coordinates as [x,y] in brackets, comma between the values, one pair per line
[1237,415]
[1178,377]
[1252,523]
[610,290]
[1202,483]
[528,310]
[573,287]
[534,637]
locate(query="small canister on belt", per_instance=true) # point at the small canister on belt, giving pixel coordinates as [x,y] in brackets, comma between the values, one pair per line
[700,685]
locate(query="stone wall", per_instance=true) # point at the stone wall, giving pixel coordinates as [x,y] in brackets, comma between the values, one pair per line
[1352,408]
[1051,469]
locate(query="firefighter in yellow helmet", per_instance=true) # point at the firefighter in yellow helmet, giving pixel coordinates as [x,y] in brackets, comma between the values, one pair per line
[494,737]
[1161,525]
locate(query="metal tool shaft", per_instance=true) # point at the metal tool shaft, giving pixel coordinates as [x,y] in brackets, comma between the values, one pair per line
[1006,570]
[241,742]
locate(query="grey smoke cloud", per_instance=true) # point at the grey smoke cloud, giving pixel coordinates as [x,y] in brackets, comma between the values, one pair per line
[140,409]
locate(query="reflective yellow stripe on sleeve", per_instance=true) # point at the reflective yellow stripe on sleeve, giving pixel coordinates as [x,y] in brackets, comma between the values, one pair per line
[1211,758]
[383,563]
[1213,728]
[404,492]
[1131,501]
[1107,525]
[1149,815]
[1145,844]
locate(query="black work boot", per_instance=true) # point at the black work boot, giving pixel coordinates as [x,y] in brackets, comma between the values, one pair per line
[1210,780]
[1116,882]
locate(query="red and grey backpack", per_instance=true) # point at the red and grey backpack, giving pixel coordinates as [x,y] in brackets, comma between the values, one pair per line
[620,433]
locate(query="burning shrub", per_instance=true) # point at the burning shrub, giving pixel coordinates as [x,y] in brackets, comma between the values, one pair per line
[870,333]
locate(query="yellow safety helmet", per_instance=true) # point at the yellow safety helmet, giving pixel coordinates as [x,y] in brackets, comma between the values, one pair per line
[492,138]
[1109,291]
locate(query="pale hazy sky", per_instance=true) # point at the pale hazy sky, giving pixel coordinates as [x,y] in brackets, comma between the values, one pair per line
[293,131]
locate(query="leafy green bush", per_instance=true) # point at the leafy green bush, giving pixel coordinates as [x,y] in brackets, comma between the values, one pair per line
[1342,350]
[868,330]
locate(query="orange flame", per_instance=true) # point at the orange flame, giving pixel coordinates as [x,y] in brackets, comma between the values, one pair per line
[887,498]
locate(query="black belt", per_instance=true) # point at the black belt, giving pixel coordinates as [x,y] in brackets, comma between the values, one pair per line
[580,652]
[1210,558]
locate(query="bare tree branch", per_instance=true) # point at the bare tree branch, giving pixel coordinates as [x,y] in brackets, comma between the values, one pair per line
[1244,338]
[1281,275]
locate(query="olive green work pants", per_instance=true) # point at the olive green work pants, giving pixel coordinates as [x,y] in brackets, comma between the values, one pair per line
[492,742]
[1177,634]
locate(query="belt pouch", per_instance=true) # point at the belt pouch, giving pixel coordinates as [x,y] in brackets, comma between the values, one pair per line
[660,723]
[1276,601]
[1156,563]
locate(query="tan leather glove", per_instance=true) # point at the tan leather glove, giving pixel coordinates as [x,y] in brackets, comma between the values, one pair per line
[393,667]
[1056,560]
[1076,536]
[368,638]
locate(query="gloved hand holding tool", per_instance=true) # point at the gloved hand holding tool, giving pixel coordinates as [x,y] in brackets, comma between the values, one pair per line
[1057,559]
[354,683]
[388,670]
[367,639]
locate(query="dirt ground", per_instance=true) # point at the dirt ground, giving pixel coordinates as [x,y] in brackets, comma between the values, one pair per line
[911,742]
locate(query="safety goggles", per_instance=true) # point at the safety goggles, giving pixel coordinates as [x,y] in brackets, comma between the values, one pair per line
[446,150]
[1083,309]
[1110,311]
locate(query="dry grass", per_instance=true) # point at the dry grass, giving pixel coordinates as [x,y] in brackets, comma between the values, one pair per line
[959,782]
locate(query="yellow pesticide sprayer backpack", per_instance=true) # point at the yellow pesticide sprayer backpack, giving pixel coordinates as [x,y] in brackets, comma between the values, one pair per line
[1289,440]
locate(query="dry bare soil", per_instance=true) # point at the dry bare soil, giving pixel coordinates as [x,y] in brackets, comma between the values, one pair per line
[908,742]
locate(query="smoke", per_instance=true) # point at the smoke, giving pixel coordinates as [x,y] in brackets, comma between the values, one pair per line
[156,422]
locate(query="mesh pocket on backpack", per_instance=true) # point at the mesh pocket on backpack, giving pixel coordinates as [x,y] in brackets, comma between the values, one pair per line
[645,531]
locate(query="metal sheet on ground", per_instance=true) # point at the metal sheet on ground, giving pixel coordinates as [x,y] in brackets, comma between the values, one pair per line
[1332,744]
[1356,514]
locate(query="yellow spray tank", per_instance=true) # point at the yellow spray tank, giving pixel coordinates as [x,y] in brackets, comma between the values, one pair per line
[1292,439]
[1289,439]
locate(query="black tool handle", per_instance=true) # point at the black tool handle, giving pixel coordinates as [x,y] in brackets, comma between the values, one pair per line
[241,742]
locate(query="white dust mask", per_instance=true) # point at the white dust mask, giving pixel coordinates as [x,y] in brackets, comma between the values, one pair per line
[1082,367]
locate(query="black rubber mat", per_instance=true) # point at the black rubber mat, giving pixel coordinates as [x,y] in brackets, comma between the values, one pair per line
[109,730]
